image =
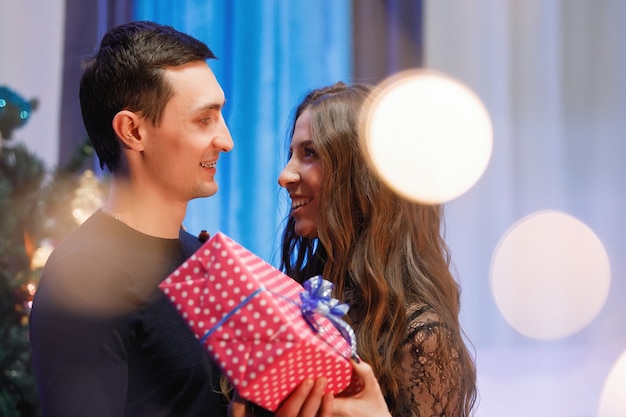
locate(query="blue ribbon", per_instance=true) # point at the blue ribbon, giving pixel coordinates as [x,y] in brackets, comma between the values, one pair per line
[230,314]
[316,299]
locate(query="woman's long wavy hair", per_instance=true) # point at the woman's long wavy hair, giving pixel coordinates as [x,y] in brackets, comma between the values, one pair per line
[382,251]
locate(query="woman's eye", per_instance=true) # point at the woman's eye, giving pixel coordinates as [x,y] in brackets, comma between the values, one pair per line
[309,152]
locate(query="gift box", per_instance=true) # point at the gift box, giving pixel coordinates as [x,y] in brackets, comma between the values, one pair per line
[264,330]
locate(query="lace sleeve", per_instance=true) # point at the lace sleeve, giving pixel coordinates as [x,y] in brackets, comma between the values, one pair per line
[429,377]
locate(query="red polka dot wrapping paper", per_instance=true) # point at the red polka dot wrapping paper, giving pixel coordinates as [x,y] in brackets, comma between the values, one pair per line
[247,314]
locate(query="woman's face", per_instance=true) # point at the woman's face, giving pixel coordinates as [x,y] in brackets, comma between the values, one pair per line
[302,177]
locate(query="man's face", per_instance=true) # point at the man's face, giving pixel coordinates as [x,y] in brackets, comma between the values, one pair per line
[181,153]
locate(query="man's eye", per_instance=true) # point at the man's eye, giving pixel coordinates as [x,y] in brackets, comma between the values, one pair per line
[207,119]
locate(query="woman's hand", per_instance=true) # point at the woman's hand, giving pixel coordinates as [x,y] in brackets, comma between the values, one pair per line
[307,400]
[367,402]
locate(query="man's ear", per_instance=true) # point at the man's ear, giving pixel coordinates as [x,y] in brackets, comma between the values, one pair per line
[126,126]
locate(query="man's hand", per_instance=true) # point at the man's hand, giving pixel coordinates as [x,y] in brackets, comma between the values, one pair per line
[239,407]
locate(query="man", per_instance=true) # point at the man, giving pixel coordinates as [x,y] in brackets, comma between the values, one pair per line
[105,341]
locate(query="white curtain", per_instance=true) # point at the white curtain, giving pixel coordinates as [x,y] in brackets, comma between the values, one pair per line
[31,61]
[552,74]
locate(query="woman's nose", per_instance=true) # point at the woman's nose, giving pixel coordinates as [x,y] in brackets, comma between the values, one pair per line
[288,176]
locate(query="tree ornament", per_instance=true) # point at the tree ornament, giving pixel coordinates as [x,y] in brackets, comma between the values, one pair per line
[14,111]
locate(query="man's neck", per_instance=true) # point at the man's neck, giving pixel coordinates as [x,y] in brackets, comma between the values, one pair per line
[145,211]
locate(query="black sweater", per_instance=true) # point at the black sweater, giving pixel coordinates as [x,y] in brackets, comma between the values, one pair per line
[106,341]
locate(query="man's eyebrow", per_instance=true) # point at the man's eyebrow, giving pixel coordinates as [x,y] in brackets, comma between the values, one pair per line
[210,106]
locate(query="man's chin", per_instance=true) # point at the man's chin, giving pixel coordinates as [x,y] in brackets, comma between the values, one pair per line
[206,191]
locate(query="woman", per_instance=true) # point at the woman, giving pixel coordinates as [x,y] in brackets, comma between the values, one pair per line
[385,256]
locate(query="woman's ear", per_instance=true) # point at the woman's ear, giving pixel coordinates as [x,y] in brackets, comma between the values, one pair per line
[126,127]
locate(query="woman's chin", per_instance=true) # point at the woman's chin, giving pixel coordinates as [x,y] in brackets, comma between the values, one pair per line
[306,231]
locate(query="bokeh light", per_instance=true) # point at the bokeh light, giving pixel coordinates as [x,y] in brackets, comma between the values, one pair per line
[41,254]
[428,136]
[87,197]
[613,399]
[550,275]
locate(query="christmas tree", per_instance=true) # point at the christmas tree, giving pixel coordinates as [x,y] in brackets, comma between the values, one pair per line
[37,209]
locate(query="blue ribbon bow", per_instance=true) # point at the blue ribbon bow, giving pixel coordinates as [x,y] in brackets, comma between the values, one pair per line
[316,299]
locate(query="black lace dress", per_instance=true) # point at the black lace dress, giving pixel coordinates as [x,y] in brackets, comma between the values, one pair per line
[429,377]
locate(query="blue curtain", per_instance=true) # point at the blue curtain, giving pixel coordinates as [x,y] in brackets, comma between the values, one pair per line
[270,53]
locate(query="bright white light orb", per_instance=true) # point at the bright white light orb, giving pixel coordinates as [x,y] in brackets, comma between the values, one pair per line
[550,275]
[613,400]
[428,136]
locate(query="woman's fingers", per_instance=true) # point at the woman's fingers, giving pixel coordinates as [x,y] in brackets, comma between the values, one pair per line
[366,375]
[307,400]
[369,401]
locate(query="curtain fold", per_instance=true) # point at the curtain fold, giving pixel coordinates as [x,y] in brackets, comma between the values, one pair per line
[85,24]
[388,38]
[270,53]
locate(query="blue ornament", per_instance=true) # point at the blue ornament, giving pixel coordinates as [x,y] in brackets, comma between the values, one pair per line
[14,111]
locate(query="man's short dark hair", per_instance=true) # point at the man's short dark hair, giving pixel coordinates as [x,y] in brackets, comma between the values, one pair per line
[126,73]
